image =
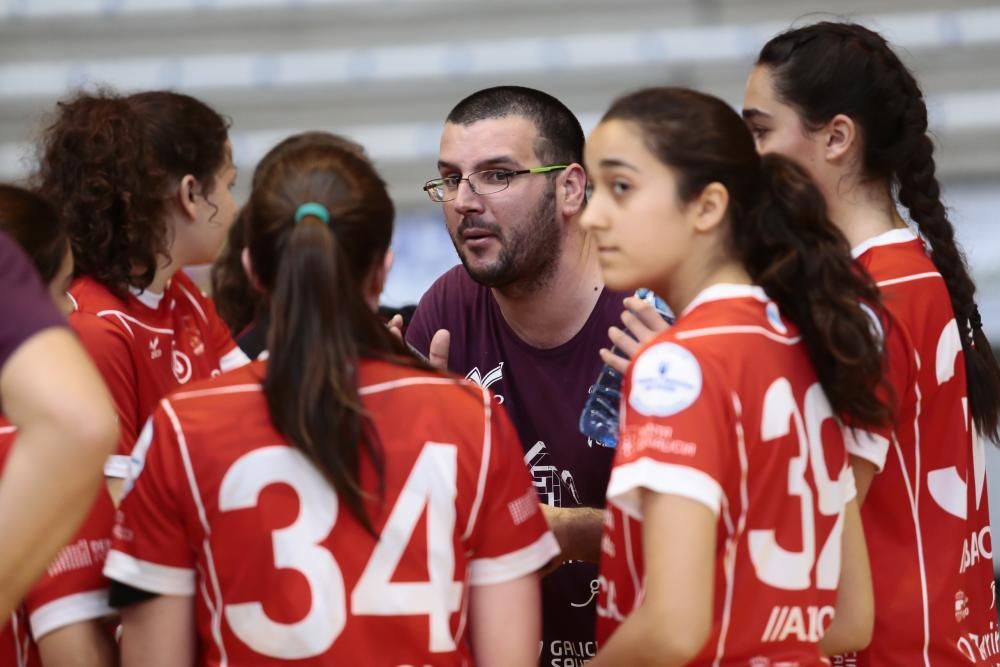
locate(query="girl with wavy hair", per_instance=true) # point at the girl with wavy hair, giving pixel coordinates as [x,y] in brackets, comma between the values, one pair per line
[836,98]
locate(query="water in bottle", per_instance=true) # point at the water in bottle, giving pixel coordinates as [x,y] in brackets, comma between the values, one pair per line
[599,420]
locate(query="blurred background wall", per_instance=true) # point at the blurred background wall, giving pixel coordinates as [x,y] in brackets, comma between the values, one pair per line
[386,72]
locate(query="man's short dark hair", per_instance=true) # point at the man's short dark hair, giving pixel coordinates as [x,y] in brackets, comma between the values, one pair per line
[560,137]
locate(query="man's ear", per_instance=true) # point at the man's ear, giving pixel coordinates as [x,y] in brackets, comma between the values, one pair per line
[572,188]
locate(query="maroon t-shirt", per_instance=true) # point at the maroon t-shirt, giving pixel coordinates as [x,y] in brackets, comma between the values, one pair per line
[25,306]
[543,391]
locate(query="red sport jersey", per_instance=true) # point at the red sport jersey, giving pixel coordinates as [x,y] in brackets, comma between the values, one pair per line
[147,345]
[725,409]
[926,514]
[72,590]
[224,510]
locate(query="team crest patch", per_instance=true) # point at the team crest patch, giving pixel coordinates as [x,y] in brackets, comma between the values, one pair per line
[666,379]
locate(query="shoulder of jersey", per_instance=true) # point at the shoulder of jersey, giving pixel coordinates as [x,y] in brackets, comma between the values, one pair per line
[90,296]
[897,260]
[248,377]
[378,376]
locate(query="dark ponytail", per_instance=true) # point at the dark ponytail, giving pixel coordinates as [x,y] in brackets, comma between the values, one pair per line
[843,68]
[321,325]
[779,228]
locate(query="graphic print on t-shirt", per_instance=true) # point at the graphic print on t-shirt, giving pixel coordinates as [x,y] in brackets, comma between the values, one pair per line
[486,381]
[544,392]
[550,482]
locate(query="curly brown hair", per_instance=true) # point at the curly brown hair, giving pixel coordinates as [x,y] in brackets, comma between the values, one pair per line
[110,162]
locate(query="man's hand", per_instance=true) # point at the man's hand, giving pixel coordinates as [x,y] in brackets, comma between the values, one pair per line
[396,326]
[437,356]
[642,322]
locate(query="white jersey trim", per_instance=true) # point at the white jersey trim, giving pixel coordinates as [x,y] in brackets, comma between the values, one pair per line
[233,359]
[206,546]
[721,291]
[659,477]
[116,466]
[484,464]
[68,610]
[737,329]
[516,564]
[141,574]
[125,318]
[194,302]
[735,532]
[908,279]
[363,391]
[892,237]
[409,382]
[871,447]
[151,300]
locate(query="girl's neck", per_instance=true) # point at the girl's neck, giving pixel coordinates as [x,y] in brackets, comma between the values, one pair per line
[679,292]
[864,212]
[162,277]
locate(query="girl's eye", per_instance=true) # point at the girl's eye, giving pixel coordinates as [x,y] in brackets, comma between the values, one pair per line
[619,187]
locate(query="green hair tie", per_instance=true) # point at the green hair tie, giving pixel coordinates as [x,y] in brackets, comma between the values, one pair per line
[312,208]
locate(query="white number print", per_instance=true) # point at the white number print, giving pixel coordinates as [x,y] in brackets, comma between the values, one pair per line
[775,565]
[947,486]
[432,484]
[295,547]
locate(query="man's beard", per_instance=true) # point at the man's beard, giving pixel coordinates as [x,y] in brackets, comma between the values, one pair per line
[529,254]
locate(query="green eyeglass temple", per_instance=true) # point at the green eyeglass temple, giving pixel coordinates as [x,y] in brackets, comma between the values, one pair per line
[436,189]
[539,170]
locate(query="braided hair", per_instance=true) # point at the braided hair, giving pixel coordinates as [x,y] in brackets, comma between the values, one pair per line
[832,68]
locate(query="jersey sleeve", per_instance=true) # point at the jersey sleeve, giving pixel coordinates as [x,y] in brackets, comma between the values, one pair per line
[150,546]
[110,348]
[510,537]
[74,589]
[872,444]
[676,430]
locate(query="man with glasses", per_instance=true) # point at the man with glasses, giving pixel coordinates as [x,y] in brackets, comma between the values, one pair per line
[527,313]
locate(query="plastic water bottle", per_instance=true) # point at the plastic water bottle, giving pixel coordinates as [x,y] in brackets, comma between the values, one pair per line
[599,420]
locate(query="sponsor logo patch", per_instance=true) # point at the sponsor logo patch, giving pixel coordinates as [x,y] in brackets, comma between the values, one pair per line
[666,379]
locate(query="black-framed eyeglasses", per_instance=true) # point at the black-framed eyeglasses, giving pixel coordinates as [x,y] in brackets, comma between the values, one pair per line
[486,182]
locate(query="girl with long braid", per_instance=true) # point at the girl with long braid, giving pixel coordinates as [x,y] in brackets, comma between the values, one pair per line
[835,98]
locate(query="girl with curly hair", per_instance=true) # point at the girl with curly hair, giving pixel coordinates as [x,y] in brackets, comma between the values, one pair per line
[143,184]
